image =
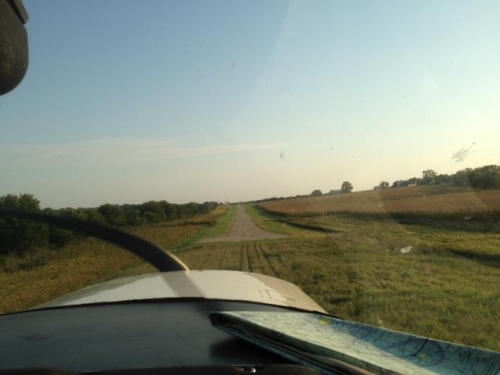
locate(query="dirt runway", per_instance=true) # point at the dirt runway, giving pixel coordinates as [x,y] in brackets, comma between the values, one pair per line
[244,229]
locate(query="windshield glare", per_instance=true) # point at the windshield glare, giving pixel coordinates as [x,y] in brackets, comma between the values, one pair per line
[350,148]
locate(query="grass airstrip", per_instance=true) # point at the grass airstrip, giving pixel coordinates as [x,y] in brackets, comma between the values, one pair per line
[424,260]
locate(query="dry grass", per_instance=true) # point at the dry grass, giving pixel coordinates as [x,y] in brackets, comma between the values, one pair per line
[55,273]
[393,200]
[45,274]
[438,289]
[445,287]
[419,259]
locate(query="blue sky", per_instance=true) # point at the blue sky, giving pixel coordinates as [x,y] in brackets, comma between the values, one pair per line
[130,101]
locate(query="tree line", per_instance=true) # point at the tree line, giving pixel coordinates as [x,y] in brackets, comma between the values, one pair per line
[346,187]
[18,236]
[485,177]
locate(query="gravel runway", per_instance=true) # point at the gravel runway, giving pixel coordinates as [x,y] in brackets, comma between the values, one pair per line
[244,229]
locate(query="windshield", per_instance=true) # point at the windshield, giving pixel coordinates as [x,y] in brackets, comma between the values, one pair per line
[350,148]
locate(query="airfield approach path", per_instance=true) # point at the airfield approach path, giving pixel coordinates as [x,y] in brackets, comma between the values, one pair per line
[244,228]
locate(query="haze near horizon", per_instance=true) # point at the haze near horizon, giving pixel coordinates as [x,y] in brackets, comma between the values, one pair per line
[183,101]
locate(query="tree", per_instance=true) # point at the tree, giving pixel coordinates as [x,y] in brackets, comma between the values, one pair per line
[133,216]
[171,210]
[443,179]
[316,193]
[461,178]
[487,177]
[94,216]
[384,185]
[346,187]
[112,214]
[153,212]
[429,177]
[16,235]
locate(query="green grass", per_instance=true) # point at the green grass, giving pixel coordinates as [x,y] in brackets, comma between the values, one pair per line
[43,274]
[441,296]
[274,223]
[221,224]
[446,287]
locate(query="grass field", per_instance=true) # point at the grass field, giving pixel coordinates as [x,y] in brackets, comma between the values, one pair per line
[421,199]
[433,270]
[422,268]
[407,292]
[46,274]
